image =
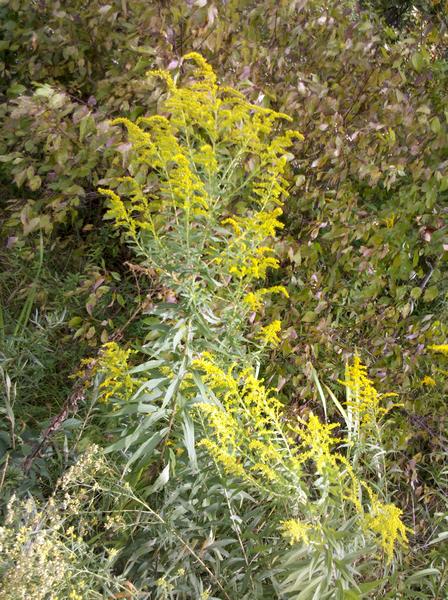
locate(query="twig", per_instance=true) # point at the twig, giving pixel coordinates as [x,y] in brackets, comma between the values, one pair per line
[77,395]
[5,468]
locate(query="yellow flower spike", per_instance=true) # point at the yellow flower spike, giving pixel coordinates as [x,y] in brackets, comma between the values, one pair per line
[204,69]
[270,333]
[384,520]
[207,159]
[136,134]
[428,380]
[231,221]
[441,348]
[296,531]
[165,75]
[118,212]
[113,363]
[365,401]
[318,438]
[255,299]
[154,121]
[228,461]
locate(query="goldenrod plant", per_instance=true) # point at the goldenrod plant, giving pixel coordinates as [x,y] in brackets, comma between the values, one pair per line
[200,207]
[227,468]
[178,334]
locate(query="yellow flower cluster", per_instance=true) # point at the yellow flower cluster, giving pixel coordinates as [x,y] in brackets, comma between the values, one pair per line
[181,188]
[363,399]
[251,439]
[194,105]
[428,380]
[213,149]
[270,333]
[384,520]
[246,427]
[113,364]
[441,348]
[246,256]
[318,439]
[297,531]
[255,299]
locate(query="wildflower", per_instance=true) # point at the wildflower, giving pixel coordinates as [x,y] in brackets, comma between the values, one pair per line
[231,221]
[428,380]
[318,439]
[441,348]
[385,521]
[222,423]
[113,363]
[165,75]
[226,459]
[266,471]
[363,399]
[165,585]
[247,406]
[255,299]
[214,376]
[270,333]
[118,212]
[296,531]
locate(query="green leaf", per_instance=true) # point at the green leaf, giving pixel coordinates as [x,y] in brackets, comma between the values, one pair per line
[16,89]
[34,183]
[416,292]
[147,447]
[309,316]
[418,62]
[161,480]
[431,294]
[422,574]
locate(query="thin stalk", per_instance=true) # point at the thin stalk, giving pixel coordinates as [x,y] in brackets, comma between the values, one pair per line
[29,301]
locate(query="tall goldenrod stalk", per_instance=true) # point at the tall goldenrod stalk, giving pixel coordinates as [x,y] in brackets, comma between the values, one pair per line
[202,206]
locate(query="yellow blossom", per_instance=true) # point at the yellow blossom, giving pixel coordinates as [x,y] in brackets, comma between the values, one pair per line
[270,333]
[428,380]
[384,520]
[255,299]
[250,438]
[363,399]
[226,459]
[165,585]
[441,348]
[113,364]
[191,187]
[296,531]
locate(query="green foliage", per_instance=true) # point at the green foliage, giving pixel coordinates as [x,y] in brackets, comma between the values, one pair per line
[286,475]
[408,13]
[362,257]
[48,547]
